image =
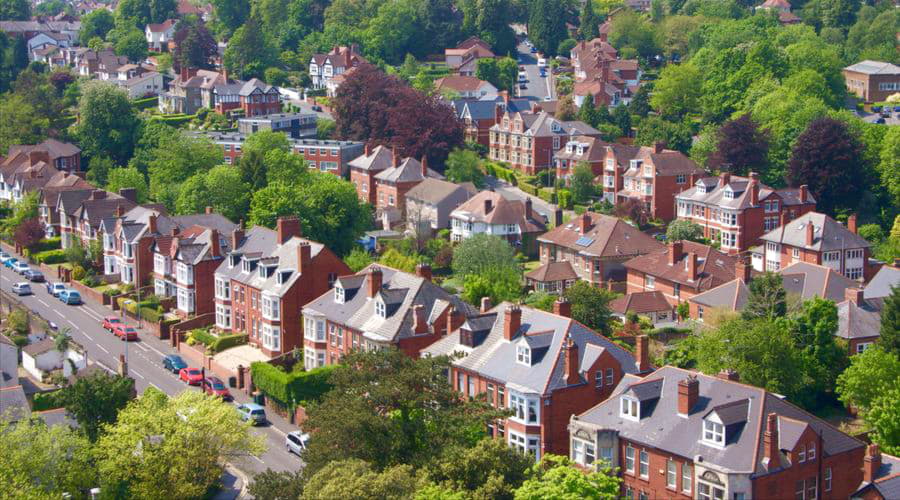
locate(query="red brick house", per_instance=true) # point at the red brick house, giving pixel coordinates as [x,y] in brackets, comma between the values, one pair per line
[872,81]
[617,159]
[258,98]
[85,222]
[392,184]
[736,211]
[62,155]
[818,239]
[580,149]
[376,308]
[364,169]
[527,140]
[543,366]
[684,435]
[683,270]
[595,247]
[266,279]
[654,177]
[881,476]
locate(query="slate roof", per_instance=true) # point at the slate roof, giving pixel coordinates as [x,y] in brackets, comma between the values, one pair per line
[70,201]
[40,347]
[610,237]
[255,83]
[812,280]
[403,289]
[713,267]
[378,159]
[660,427]
[409,170]
[594,152]
[434,191]
[713,193]
[874,68]
[13,403]
[459,83]
[495,357]
[828,234]
[96,211]
[553,271]
[858,321]
[887,479]
[732,295]
[881,283]
[641,303]
[502,211]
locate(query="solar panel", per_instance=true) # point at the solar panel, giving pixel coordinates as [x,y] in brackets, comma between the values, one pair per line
[584,241]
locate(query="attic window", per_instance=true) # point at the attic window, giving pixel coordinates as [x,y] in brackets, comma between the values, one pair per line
[523,354]
[380,309]
[631,408]
[282,276]
[245,265]
[713,433]
[339,295]
[729,194]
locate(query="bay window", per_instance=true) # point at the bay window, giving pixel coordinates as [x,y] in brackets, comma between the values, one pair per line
[185,273]
[583,452]
[525,409]
[314,329]
[271,337]
[223,317]
[270,307]
[223,291]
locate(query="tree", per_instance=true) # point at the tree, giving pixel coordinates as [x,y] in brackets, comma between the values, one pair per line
[589,22]
[29,232]
[176,447]
[483,253]
[622,118]
[355,478]
[884,419]
[325,129]
[387,409]
[250,51]
[358,259]
[633,210]
[654,129]
[582,183]
[96,399]
[258,145]
[489,20]
[767,299]
[490,469]
[128,177]
[684,230]
[813,329]
[277,485]
[96,23]
[175,158]
[285,167]
[21,124]
[588,112]
[220,188]
[557,477]
[140,13]
[565,110]
[678,90]
[486,69]
[507,74]
[195,47]
[546,27]
[43,462]
[463,165]
[889,339]
[231,14]
[15,10]
[379,108]
[742,147]
[132,45]
[640,104]
[632,31]
[107,122]
[590,306]
[499,285]
[870,374]
[826,157]
[888,168]
[24,209]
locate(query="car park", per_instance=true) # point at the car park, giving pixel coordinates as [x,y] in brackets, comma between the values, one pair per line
[253,412]
[34,275]
[20,267]
[296,442]
[191,376]
[54,288]
[22,288]
[125,332]
[173,363]
[215,387]
[69,296]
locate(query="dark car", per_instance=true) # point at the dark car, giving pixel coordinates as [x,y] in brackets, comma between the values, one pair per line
[215,387]
[317,108]
[34,275]
[173,363]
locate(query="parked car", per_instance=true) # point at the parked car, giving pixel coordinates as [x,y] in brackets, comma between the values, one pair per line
[191,376]
[54,288]
[69,296]
[173,363]
[110,322]
[317,108]
[542,63]
[34,275]
[22,288]
[296,442]
[523,86]
[533,49]
[4,256]
[253,412]
[543,72]
[9,262]
[215,387]
[125,332]
[20,267]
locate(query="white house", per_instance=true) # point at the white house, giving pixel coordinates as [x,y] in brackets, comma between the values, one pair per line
[158,35]
[42,358]
[9,362]
[147,84]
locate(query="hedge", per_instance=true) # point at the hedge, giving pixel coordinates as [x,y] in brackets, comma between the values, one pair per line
[50,257]
[564,196]
[44,401]
[529,188]
[227,342]
[291,389]
[175,119]
[547,195]
[203,336]
[151,315]
[46,245]
[150,102]
[579,209]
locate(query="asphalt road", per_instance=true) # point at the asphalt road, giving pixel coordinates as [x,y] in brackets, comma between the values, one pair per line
[538,87]
[144,364]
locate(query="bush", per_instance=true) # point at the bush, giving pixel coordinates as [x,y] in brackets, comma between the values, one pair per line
[227,342]
[91,281]
[291,389]
[110,292]
[44,401]
[49,257]
[148,103]
[871,233]
[78,273]
[529,188]
[565,198]
[579,209]
[46,244]
[547,195]
[151,314]
[202,336]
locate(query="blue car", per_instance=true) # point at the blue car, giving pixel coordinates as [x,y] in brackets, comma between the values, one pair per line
[173,363]
[10,262]
[70,297]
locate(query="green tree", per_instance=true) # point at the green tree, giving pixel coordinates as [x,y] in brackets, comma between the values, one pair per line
[15,10]
[499,285]
[354,478]
[220,188]
[231,14]
[813,329]
[175,158]
[358,259]
[870,374]
[546,27]
[582,183]
[285,167]
[588,112]
[632,31]
[590,306]
[128,177]
[463,165]
[96,23]
[889,339]
[678,90]
[684,230]
[884,419]
[325,129]
[172,448]
[23,210]
[558,477]
[21,124]
[654,129]
[589,22]
[132,45]
[140,13]
[490,469]
[277,485]
[250,51]
[768,298]
[888,168]
[255,149]
[99,168]
[483,253]
[508,73]
[95,400]
[487,69]
[107,122]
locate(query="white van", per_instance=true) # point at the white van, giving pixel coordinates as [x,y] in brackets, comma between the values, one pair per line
[542,63]
[523,77]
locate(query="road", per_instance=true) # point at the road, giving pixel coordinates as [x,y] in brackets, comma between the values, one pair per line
[538,87]
[144,364]
[511,192]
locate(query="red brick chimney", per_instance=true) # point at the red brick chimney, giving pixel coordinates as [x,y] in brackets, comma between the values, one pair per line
[688,394]
[658,147]
[810,233]
[98,194]
[771,452]
[527,208]
[728,374]
[562,307]
[175,230]
[851,223]
[691,266]
[151,223]
[209,210]
[584,223]
[742,271]
[724,179]
[512,321]
[642,353]
[424,271]
[604,71]
[374,281]
[571,362]
[287,228]
[854,295]
[804,193]
[120,210]
[395,158]
[304,257]
[871,463]
[486,304]
[754,192]
[488,206]
[420,325]
[366,150]
[237,235]
[676,250]
[215,245]
[424,166]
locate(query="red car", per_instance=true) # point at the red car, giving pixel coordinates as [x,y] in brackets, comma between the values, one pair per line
[193,376]
[110,322]
[125,332]
[215,387]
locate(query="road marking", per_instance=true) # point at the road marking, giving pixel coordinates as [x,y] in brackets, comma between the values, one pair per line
[88,336]
[5,278]
[134,372]
[258,459]
[60,314]
[276,429]
[157,351]
[102,348]
[104,366]
[138,344]
[44,303]
[157,387]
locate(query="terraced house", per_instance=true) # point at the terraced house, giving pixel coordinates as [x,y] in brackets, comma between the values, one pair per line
[528,140]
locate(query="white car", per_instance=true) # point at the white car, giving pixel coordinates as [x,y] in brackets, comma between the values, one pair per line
[296,442]
[20,267]
[542,63]
[22,288]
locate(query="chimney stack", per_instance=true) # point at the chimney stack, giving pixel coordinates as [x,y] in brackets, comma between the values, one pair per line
[584,223]
[35,157]
[571,362]
[754,193]
[454,319]
[691,266]
[804,193]
[742,271]
[771,452]
[375,277]
[488,206]
[729,374]
[642,353]
[304,257]
[209,210]
[676,250]
[98,194]
[688,394]
[512,321]
[174,232]
[810,233]
[424,166]
[724,179]
[658,147]
[424,271]
[215,245]
[367,150]
[151,223]
[129,194]
[871,463]
[237,235]
[562,307]
[287,228]
[486,304]
[854,295]
[120,210]
[395,159]
[420,325]
[851,223]
[527,208]
[557,217]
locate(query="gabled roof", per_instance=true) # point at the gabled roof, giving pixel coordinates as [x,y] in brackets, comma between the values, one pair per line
[812,280]
[713,267]
[593,153]
[409,170]
[887,479]
[641,303]
[378,159]
[732,296]
[502,211]
[253,84]
[39,347]
[881,283]
[711,191]
[161,27]
[828,234]
[553,271]
[857,321]
[609,237]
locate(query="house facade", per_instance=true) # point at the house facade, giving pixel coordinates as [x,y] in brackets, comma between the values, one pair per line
[488,212]
[257,98]
[654,177]
[323,68]
[429,204]
[159,35]
[527,141]
[463,59]
[294,125]
[577,150]
[872,81]
[479,116]
[364,169]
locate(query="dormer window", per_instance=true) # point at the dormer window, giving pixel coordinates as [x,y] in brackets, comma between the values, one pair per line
[713,433]
[339,295]
[729,194]
[523,354]
[380,309]
[245,265]
[631,408]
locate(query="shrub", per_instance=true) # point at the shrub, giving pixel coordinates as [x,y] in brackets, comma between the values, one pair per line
[44,401]
[50,257]
[565,198]
[46,244]
[202,336]
[91,281]
[547,195]
[529,188]
[110,292]
[871,233]
[150,314]
[291,389]
[78,273]
[579,209]
[227,342]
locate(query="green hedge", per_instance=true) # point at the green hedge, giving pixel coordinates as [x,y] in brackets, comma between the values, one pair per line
[49,257]
[151,315]
[46,245]
[579,209]
[150,102]
[529,188]
[174,119]
[44,401]
[291,389]
[547,195]
[564,196]
[227,342]
[203,336]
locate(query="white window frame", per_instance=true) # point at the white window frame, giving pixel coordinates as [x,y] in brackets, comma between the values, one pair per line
[644,464]
[629,459]
[630,408]
[583,452]
[671,474]
[523,354]
[687,477]
[713,433]
[314,329]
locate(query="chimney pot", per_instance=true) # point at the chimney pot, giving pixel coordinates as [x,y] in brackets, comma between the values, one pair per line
[454,320]
[728,374]
[486,304]
[772,453]
[676,250]
[424,271]
[851,223]
[688,394]
[642,353]
[209,210]
[512,321]
[562,307]
[375,283]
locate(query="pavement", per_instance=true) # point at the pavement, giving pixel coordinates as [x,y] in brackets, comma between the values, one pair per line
[145,367]
[538,87]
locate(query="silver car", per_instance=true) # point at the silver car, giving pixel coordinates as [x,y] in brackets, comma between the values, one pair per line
[22,288]
[296,442]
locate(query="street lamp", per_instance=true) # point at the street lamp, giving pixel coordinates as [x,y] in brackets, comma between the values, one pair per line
[125,304]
